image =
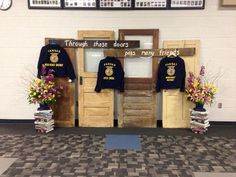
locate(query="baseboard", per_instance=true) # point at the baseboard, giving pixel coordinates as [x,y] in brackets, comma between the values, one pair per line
[222,123]
[159,122]
[16,121]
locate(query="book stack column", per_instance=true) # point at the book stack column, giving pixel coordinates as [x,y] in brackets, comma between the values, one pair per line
[44,122]
[199,121]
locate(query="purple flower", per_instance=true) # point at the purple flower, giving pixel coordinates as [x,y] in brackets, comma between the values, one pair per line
[197,90]
[43,71]
[45,89]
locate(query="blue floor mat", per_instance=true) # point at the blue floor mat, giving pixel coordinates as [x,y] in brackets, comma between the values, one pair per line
[131,142]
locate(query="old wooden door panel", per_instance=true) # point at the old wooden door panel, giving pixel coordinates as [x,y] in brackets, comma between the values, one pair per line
[89,85]
[97,100]
[141,113]
[136,121]
[95,109]
[64,108]
[97,114]
[172,104]
[175,105]
[134,93]
[137,105]
[138,84]
[135,99]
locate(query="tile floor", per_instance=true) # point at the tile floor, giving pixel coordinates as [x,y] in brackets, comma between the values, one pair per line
[5,163]
[72,154]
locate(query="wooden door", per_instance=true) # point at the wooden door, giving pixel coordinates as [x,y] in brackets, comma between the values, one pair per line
[95,109]
[137,105]
[64,108]
[175,109]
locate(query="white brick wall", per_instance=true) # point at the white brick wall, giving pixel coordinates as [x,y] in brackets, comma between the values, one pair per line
[22,33]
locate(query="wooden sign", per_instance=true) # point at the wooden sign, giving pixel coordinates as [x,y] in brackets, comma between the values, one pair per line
[71,43]
[149,52]
[228,3]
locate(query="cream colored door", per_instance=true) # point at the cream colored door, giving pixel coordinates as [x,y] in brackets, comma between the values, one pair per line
[95,109]
[175,109]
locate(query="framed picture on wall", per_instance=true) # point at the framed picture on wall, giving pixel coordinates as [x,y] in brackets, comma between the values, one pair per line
[44,4]
[115,4]
[228,2]
[187,4]
[80,4]
[150,4]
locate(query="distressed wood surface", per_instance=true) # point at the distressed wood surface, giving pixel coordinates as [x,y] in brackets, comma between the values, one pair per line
[228,2]
[64,108]
[139,93]
[137,105]
[134,53]
[136,99]
[136,121]
[95,109]
[72,43]
[133,86]
[140,113]
[176,108]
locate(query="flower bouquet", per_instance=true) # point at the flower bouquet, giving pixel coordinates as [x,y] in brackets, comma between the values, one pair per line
[44,91]
[200,90]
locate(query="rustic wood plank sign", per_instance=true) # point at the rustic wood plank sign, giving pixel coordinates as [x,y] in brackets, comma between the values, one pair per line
[71,43]
[149,52]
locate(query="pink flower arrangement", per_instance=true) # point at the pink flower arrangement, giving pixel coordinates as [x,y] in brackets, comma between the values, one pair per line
[44,90]
[198,90]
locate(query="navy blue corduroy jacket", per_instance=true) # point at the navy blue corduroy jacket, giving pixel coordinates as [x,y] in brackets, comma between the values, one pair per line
[171,74]
[56,58]
[110,75]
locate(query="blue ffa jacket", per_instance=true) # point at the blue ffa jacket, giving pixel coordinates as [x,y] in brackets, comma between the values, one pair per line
[110,75]
[55,57]
[171,74]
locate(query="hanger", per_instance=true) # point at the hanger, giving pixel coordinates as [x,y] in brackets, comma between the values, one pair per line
[172,54]
[52,41]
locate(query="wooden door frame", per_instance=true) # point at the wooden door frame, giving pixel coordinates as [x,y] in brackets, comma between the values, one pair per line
[82,34]
[136,32]
[186,105]
[143,32]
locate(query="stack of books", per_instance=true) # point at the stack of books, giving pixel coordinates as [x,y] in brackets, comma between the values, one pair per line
[199,121]
[44,122]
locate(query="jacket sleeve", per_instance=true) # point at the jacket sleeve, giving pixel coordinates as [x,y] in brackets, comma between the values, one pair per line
[159,73]
[99,78]
[122,79]
[182,88]
[69,67]
[41,61]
